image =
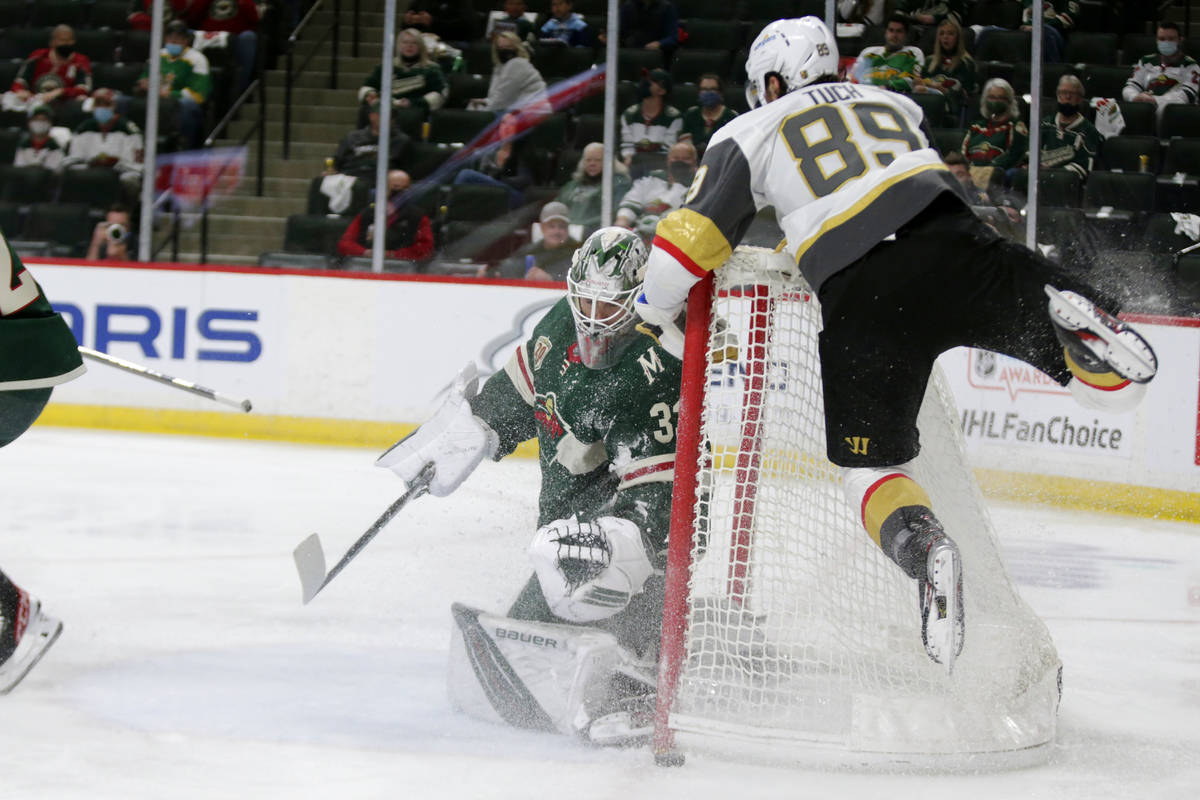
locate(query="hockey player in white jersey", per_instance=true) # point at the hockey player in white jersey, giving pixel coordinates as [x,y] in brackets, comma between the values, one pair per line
[846,166]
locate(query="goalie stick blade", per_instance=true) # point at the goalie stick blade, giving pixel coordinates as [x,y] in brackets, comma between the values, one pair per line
[310,563]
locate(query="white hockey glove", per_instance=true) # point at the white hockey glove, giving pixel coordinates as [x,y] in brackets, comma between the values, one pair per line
[662,323]
[589,571]
[454,440]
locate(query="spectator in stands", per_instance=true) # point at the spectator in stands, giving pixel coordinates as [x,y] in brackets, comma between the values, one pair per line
[1165,77]
[417,80]
[140,18]
[582,194]
[113,239]
[998,139]
[409,233]
[37,148]
[659,192]
[895,64]
[993,207]
[1058,17]
[930,12]
[185,80]
[863,12]
[513,21]
[502,166]
[651,24]
[957,164]
[1069,141]
[239,19]
[566,26]
[449,20]
[651,125]
[701,121]
[950,70]
[515,81]
[108,140]
[547,259]
[358,153]
[56,76]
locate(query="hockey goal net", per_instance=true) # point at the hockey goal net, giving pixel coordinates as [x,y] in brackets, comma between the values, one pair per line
[787,633]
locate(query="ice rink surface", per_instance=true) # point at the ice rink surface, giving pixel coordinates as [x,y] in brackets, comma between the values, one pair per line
[189,669]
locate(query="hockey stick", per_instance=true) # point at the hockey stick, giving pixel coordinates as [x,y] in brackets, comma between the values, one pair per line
[310,558]
[178,383]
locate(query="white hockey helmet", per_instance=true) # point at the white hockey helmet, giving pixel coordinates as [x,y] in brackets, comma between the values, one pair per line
[798,50]
[605,277]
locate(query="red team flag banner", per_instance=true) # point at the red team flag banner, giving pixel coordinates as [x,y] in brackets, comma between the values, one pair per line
[193,178]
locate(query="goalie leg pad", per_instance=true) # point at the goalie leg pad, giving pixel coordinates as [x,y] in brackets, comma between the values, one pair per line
[589,571]
[538,675]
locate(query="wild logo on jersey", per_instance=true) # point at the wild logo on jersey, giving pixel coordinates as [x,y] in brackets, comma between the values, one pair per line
[545,411]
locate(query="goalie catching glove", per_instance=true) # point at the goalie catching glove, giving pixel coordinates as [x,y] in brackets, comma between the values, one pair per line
[589,570]
[454,440]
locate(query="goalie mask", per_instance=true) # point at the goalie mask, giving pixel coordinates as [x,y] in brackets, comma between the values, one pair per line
[797,50]
[605,276]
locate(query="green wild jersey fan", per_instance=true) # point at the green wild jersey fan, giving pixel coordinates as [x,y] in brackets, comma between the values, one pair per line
[576,650]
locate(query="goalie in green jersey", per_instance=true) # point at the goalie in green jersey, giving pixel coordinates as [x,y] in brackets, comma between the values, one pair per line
[576,651]
[37,352]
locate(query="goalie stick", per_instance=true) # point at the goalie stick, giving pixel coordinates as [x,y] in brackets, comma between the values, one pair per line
[178,383]
[310,558]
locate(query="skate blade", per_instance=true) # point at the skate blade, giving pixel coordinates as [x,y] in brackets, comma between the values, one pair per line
[41,632]
[1127,351]
[943,622]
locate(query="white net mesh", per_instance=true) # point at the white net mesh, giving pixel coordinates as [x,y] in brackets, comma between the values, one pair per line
[800,630]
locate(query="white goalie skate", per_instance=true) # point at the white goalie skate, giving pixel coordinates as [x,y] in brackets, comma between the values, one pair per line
[1096,338]
[39,632]
[941,595]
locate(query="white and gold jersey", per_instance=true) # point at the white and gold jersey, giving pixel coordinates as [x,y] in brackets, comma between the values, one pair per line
[844,165]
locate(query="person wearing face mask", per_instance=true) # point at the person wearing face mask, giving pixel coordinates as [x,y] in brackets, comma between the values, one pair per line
[515,81]
[409,232]
[417,80]
[660,191]
[37,148]
[1164,77]
[895,64]
[999,138]
[651,125]
[1069,141]
[57,76]
[185,81]
[110,140]
[582,194]
[701,121]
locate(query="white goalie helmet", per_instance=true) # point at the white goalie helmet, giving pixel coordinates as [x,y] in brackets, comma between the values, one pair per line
[799,50]
[604,279]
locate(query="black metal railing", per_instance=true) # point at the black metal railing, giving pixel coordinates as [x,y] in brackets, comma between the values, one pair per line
[291,73]
[259,127]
